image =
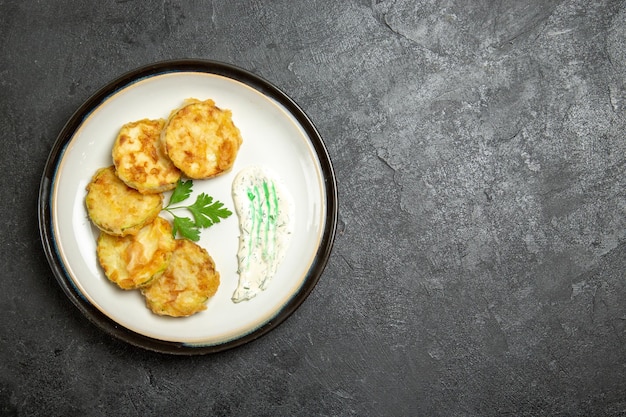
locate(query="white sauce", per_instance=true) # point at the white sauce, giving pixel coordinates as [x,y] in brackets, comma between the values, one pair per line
[265,211]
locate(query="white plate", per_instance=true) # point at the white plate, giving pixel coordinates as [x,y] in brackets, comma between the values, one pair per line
[276,133]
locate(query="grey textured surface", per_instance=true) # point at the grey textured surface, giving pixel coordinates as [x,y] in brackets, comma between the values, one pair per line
[480,155]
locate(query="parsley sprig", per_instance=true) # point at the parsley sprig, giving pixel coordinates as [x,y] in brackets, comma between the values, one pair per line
[205,211]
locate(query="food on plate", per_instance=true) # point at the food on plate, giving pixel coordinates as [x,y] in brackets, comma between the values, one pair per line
[138,249]
[265,211]
[117,209]
[133,261]
[140,160]
[201,139]
[188,282]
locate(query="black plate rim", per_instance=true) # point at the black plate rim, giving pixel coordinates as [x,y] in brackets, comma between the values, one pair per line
[97,317]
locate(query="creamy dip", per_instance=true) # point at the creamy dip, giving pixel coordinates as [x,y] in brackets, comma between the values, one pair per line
[265,211]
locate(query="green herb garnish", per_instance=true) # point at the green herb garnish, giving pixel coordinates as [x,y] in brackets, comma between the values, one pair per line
[205,212]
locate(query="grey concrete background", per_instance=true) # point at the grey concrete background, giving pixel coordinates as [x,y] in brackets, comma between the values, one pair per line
[479,264]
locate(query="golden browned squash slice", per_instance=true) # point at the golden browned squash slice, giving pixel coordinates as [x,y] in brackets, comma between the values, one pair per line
[117,209]
[188,282]
[140,160]
[201,139]
[134,261]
